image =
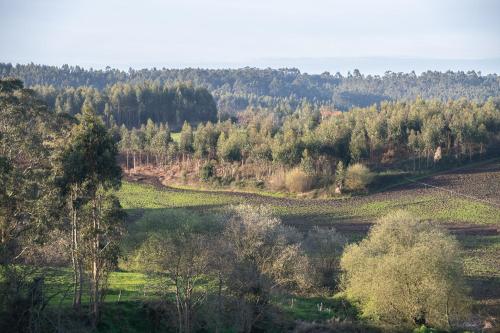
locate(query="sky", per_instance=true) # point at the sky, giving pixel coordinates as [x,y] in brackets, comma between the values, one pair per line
[313,35]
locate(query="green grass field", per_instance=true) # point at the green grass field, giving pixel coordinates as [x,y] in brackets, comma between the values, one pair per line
[151,209]
[437,206]
[155,209]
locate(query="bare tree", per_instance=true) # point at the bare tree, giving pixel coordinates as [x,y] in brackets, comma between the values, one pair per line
[182,259]
[267,257]
[324,248]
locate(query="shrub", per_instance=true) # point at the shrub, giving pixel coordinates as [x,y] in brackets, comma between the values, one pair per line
[358,177]
[296,180]
[276,181]
[406,272]
[207,171]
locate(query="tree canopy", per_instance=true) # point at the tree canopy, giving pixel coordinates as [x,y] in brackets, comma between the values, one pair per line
[406,271]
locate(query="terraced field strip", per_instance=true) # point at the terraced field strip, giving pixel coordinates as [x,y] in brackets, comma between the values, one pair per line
[454,192]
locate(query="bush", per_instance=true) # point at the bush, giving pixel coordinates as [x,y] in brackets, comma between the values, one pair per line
[406,272]
[358,177]
[276,181]
[296,180]
[207,171]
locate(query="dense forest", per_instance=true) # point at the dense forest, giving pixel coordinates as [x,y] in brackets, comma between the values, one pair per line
[236,89]
[132,105]
[311,144]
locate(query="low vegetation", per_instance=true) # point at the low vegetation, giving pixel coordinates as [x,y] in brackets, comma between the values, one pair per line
[358,177]
[407,272]
[298,181]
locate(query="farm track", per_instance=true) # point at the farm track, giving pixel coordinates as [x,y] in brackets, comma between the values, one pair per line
[477,183]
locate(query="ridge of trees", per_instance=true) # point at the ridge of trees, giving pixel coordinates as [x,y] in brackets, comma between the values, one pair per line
[133,104]
[236,89]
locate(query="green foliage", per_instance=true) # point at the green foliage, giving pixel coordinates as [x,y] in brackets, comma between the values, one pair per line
[298,181]
[133,104]
[406,272]
[307,163]
[358,145]
[205,140]
[90,156]
[207,171]
[234,146]
[28,195]
[358,177]
[287,150]
[186,139]
[235,89]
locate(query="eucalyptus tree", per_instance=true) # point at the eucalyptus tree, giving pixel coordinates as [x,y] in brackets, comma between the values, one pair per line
[159,146]
[149,132]
[135,145]
[125,144]
[90,170]
[186,140]
[28,138]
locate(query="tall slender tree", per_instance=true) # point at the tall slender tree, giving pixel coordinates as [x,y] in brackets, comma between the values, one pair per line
[90,166]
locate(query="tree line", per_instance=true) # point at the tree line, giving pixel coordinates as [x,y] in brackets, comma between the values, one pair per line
[132,105]
[411,135]
[247,86]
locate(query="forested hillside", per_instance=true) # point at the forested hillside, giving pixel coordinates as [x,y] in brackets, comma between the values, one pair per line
[303,151]
[132,104]
[236,89]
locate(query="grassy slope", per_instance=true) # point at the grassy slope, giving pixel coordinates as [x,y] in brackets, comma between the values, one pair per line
[158,208]
[151,209]
[438,206]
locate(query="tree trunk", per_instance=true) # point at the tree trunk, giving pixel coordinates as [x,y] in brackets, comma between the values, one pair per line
[179,306]
[127,160]
[95,262]
[75,255]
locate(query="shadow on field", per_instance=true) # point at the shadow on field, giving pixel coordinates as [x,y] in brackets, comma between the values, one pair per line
[485,288]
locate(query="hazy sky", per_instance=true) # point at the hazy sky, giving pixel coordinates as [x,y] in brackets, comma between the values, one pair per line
[232,33]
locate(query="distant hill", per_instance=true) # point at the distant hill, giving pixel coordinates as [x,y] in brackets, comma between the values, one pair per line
[235,89]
